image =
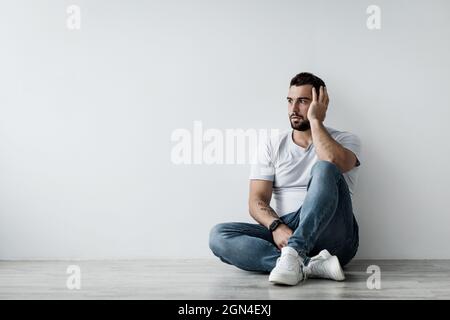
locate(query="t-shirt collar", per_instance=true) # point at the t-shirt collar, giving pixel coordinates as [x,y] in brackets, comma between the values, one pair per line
[295,147]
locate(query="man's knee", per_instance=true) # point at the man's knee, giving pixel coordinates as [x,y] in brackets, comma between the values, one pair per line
[325,169]
[216,238]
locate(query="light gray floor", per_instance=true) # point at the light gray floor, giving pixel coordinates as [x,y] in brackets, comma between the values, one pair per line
[211,279]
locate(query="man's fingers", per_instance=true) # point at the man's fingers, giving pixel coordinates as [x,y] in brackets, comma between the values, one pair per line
[280,245]
[327,98]
[314,95]
[321,95]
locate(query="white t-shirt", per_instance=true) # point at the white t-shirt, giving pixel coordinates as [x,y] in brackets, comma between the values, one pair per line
[288,165]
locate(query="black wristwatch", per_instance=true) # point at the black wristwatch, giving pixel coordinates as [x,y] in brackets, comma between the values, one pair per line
[275,224]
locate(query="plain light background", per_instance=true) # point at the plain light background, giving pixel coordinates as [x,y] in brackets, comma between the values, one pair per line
[86,119]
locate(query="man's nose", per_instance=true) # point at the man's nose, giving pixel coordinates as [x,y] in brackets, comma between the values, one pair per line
[296,107]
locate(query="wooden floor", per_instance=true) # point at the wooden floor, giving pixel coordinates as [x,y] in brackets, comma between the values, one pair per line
[212,279]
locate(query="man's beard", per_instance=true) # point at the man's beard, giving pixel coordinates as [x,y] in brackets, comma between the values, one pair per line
[301,125]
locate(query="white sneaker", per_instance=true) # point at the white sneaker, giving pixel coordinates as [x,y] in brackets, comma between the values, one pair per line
[289,268]
[325,266]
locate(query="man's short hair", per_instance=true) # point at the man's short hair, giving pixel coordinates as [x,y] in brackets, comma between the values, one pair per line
[307,78]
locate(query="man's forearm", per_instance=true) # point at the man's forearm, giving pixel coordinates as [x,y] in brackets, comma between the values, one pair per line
[262,212]
[326,147]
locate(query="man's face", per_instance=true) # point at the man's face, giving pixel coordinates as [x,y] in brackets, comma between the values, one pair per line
[299,98]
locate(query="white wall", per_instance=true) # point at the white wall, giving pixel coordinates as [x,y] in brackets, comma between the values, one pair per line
[86,118]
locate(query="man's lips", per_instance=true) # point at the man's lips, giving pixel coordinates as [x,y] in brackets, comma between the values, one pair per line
[296,118]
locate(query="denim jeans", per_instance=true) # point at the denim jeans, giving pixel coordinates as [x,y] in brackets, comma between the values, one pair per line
[324,221]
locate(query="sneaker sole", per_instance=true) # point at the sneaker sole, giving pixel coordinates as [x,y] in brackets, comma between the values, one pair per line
[278,278]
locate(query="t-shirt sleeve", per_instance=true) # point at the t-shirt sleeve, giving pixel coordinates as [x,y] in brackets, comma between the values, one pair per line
[351,142]
[262,166]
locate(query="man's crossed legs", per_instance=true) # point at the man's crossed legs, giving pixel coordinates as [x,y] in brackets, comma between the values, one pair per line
[324,229]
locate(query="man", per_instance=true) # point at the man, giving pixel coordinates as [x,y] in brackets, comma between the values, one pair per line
[310,171]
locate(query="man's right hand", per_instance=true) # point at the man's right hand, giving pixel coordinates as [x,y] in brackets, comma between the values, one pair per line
[281,235]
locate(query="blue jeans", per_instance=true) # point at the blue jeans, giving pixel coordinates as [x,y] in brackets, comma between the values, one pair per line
[324,221]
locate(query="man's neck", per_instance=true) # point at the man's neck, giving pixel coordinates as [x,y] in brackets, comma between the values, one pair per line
[302,138]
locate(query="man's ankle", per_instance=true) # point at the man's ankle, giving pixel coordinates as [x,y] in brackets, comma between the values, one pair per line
[302,256]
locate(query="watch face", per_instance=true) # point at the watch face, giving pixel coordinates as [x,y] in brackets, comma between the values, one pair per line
[274,224]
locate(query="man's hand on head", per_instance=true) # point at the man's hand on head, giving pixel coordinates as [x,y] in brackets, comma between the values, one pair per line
[319,104]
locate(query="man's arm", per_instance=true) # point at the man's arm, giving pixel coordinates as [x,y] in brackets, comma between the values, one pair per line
[259,202]
[329,149]
[326,147]
[260,210]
